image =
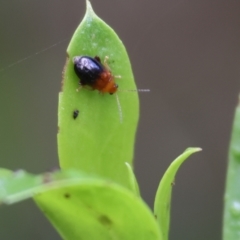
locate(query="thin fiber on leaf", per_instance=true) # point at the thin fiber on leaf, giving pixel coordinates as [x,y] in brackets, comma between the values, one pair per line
[97,140]
[231,220]
[162,201]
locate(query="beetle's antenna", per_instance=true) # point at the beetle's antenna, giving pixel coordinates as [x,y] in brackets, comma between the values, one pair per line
[134,90]
[119,108]
[79,88]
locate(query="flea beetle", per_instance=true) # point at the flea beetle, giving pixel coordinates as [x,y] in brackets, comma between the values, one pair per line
[93,73]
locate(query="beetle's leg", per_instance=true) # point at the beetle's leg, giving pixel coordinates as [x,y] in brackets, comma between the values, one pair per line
[80,87]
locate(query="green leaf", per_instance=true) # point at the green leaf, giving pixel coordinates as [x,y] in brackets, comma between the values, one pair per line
[97,141]
[5,172]
[82,206]
[21,185]
[231,221]
[98,210]
[163,196]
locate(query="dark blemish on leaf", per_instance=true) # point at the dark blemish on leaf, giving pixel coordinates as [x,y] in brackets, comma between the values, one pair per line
[75,114]
[155,216]
[105,220]
[67,195]
[172,184]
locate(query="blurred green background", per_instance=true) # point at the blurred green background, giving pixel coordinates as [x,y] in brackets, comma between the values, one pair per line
[186,52]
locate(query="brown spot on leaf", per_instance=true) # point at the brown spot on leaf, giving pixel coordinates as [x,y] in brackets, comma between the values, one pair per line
[63,72]
[67,195]
[105,220]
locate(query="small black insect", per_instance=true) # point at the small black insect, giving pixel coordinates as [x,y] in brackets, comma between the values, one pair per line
[75,114]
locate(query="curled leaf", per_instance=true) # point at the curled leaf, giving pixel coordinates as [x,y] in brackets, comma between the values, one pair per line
[162,201]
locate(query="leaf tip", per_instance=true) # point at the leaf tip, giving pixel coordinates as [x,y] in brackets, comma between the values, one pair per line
[193,149]
[89,7]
